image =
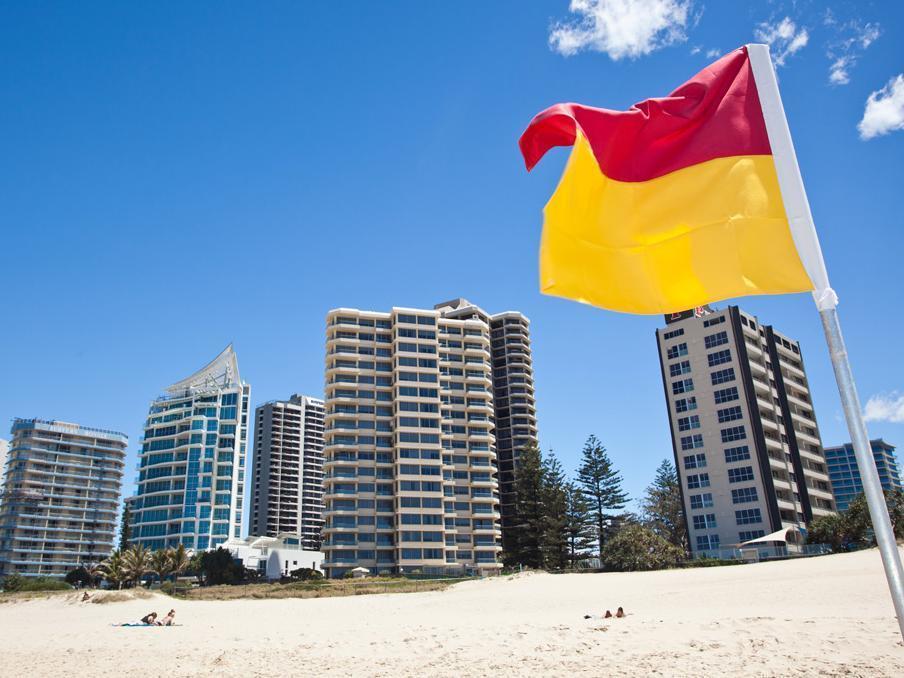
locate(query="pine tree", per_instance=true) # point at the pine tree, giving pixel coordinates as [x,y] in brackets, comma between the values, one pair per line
[662,508]
[527,521]
[578,525]
[125,528]
[601,485]
[554,538]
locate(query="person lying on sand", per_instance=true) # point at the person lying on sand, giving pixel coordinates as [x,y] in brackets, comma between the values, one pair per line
[168,619]
[150,619]
[620,613]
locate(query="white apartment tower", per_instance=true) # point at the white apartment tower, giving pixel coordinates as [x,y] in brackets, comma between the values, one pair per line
[61,497]
[747,447]
[192,461]
[287,489]
[411,471]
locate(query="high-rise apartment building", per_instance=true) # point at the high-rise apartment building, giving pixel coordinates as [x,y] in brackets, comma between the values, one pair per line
[411,470]
[845,475]
[4,449]
[514,406]
[61,497]
[192,461]
[746,443]
[287,486]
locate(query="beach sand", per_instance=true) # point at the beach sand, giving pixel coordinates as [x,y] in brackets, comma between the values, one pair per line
[827,616]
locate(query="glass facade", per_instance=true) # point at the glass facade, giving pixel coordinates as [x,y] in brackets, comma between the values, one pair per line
[191,469]
[845,475]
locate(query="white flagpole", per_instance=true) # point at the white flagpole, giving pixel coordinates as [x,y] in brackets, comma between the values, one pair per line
[804,233]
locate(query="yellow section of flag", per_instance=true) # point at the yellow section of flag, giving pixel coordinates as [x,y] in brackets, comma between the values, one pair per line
[704,233]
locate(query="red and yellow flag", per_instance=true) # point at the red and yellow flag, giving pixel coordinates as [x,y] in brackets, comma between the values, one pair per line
[669,205]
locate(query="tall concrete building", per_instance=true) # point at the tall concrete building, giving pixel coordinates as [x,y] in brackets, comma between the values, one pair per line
[287,487]
[845,475]
[60,500]
[411,468]
[192,461]
[746,443]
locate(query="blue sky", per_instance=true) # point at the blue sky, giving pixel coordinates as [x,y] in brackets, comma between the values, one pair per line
[176,176]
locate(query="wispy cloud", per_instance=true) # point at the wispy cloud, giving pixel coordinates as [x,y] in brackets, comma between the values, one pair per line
[852,39]
[783,37]
[887,407]
[621,28]
[696,49]
[884,113]
[713,53]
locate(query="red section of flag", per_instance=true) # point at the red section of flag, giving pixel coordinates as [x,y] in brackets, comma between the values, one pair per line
[716,114]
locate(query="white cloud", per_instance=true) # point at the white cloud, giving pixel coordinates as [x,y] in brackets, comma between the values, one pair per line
[838,71]
[885,407]
[784,38]
[852,39]
[713,53]
[884,113]
[696,49]
[621,28]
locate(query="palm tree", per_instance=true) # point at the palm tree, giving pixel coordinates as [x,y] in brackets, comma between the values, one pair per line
[179,560]
[136,562]
[114,569]
[161,563]
[95,571]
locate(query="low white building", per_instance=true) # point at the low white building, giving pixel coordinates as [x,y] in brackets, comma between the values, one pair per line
[274,557]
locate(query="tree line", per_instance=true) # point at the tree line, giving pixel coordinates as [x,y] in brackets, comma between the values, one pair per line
[559,523]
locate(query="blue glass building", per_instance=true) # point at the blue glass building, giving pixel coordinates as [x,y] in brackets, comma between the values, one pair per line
[192,462]
[845,475]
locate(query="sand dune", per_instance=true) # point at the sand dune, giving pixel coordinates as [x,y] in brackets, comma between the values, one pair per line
[827,616]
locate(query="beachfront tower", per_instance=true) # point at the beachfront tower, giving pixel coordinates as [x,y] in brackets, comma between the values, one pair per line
[61,496]
[411,470]
[845,475]
[287,483]
[192,460]
[744,433]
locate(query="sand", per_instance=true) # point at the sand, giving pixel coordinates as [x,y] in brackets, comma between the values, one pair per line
[828,616]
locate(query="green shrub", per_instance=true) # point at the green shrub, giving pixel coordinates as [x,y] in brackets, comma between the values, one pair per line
[16,582]
[305,574]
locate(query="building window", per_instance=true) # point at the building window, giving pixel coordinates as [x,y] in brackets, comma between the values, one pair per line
[733,433]
[729,414]
[671,334]
[677,351]
[691,442]
[685,404]
[719,357]
[747,535]
[714,321]
[688,423]
[697,481]
[707,542]
[744,495]
[721,376]
[726,395]
[695,461]
[679,368]
[740,475]
[705,522]
[699,501]
[716,339]
[682,386]
[733,454]
[748,516]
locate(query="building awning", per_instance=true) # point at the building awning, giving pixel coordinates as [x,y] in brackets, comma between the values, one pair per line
[784,535]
